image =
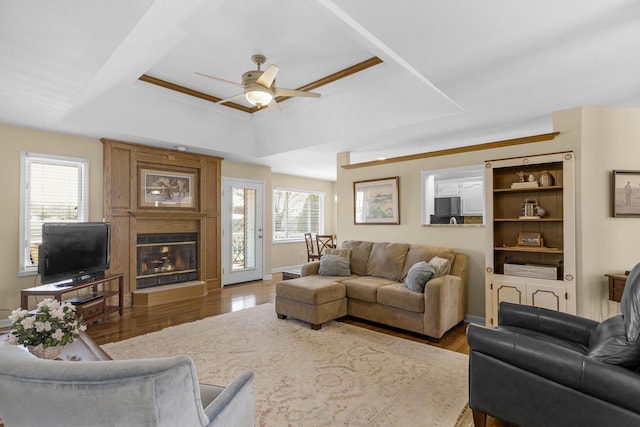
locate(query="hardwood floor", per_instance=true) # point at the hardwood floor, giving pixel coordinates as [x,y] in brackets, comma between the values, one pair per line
[142,320]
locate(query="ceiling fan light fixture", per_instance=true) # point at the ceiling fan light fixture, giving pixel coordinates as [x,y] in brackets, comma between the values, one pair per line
[258,97]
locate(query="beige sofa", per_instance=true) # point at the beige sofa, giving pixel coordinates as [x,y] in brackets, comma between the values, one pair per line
[374,289]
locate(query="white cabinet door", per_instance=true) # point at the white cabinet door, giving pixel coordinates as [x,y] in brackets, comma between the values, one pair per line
[551,297]
[472,197]
[512,291]
[447,189]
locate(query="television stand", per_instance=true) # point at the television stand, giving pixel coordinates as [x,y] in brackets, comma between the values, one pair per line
[92,307]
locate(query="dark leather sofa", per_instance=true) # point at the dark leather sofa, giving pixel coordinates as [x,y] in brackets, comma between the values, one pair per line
[540,367]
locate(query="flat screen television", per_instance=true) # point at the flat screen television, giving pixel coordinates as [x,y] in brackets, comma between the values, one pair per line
[73,252]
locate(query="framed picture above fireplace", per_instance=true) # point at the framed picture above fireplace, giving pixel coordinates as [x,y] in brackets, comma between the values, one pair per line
[172,189]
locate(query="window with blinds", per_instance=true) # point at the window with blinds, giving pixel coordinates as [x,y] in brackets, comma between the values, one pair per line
[53,189]
[296,212]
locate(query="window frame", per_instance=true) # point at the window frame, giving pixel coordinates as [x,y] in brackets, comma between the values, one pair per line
[428,179]
[26,159]
[321,195]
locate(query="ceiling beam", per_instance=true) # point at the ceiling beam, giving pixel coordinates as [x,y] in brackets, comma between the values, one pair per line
[353,69]
[458,150]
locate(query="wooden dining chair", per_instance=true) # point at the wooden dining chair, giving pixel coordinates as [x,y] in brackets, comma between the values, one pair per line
[312,253]
[325,241]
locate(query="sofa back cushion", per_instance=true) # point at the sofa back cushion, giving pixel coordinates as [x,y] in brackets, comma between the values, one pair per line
[386,260]
[425,253]
[609,344]
[359,255]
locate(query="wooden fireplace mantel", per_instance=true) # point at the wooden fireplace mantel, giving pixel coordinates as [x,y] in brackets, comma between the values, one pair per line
[129,215]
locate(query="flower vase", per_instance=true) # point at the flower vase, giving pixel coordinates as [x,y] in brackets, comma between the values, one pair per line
[45,352]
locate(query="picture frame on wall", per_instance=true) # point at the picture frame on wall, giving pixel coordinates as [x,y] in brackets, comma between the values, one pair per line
[376,201]
[625,193]
[173,189]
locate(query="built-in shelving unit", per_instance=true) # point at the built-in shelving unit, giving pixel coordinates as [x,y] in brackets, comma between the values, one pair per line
[539,271]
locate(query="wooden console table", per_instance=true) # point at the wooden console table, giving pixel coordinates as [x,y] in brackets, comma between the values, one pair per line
[616,285]
[91,307]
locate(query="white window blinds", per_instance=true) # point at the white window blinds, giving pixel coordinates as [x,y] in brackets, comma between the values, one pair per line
[54,189]
[296,212]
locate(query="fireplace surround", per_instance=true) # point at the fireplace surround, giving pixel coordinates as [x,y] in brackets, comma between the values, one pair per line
[131,215]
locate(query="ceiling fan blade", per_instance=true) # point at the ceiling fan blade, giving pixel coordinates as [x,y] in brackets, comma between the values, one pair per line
[219,79]
[268,76]
[222,101]
[274,105]
[292,92]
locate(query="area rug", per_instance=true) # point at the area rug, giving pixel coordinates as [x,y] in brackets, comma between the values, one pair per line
[340,375]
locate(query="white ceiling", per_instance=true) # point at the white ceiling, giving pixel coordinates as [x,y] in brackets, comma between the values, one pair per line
[455,72]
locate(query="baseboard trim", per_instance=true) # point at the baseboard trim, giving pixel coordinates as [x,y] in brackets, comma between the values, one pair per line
[474,319]
[289,268]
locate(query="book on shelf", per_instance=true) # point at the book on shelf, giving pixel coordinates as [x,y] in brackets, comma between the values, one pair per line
[528,184]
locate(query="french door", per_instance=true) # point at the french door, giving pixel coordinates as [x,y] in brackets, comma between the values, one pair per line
[242,230]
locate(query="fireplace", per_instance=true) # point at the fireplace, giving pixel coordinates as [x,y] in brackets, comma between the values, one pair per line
[166,258]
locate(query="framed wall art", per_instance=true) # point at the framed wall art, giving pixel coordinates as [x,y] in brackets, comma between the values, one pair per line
[625,193]
[529,239]
[167,189]
[376,201]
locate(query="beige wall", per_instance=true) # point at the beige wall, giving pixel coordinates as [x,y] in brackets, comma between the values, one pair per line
[16,139]
[603,139]
[13,140]
[605,244]
[470,240]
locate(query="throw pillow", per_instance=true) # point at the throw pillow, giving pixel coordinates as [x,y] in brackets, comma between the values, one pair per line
[334,265]
[440,265]
[418,276]
[340,252]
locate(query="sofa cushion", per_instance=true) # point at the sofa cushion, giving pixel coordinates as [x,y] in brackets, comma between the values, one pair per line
[334,265]
[313,290]
[609,344]
[359,255]
[425,253]
[397,295]
[386,260]
[365,288]
[442,266]
[418,276]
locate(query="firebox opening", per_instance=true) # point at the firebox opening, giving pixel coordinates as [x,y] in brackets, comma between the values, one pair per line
[166,258]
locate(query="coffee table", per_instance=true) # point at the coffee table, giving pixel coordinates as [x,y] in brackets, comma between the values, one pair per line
[84,349]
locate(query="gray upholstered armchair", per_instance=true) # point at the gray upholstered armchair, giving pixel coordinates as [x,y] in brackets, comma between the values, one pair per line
[544,368]
[144,392]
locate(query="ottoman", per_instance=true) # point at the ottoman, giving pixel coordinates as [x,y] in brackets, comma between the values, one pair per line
[312,299]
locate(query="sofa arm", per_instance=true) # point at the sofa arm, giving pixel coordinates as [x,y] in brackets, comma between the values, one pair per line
[235,405]
[310,269]
[443,304]
[554,323]
[558,364]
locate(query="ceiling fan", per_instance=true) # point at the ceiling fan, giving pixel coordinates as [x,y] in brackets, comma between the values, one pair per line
[259,87]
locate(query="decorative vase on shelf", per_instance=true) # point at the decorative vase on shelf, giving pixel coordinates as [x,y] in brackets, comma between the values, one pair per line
[546,179]
[45,352]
